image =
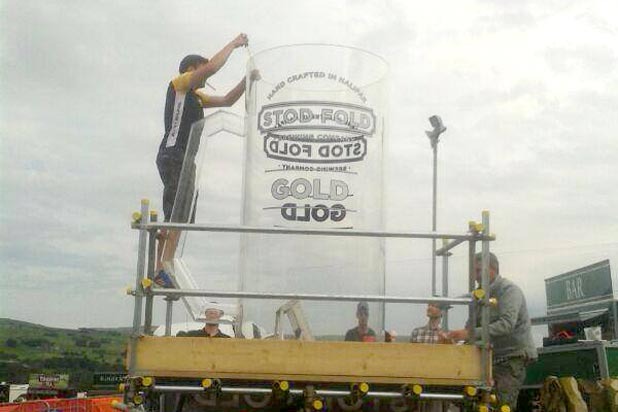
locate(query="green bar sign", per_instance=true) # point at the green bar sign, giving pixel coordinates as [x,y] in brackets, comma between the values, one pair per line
[108,378]
[578,287]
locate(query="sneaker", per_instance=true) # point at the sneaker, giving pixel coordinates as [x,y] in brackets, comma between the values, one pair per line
[163,279]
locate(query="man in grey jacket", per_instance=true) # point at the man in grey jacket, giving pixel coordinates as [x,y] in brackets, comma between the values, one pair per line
[509,333]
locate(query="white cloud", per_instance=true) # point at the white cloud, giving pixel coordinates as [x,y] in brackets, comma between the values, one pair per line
[526,89]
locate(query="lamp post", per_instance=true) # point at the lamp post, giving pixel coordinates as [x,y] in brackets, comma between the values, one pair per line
[434,138]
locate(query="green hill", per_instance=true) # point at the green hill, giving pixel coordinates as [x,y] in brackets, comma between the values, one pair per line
[27,348]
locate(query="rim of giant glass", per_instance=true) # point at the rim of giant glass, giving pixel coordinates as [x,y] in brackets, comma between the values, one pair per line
[385,65]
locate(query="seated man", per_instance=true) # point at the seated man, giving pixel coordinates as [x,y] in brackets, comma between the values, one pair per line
[432,332]
[361,333]
[211,326]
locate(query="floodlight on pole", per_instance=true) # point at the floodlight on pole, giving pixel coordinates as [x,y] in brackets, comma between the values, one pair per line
[434,138]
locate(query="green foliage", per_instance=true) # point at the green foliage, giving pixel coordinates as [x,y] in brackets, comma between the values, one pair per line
[31,348]
[35,342]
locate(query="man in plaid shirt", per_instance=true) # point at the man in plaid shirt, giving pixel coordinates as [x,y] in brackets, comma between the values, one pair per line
[432,332]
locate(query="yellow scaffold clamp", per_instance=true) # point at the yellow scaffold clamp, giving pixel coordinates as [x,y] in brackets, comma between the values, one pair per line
[475,227]
[282,386]
[136,217]
[478,294]
[358,391]
[413,390]
[317,404]
[210,384]
[470,391]
[281,389]
[363,387]
[146,283]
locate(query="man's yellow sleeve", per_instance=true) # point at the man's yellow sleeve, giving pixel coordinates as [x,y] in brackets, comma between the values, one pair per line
[181,83]
[203,97]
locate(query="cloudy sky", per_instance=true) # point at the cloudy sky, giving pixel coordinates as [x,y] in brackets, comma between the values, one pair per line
[527,89]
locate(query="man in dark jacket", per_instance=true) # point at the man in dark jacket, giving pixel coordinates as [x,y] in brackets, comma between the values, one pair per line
[211,326]
[362,332]
[509,333]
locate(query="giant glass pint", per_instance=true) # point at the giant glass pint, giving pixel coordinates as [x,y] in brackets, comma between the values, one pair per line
[315,131]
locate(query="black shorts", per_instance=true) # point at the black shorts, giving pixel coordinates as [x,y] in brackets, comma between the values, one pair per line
[179,195]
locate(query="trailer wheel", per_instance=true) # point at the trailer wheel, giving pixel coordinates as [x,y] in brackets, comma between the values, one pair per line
[398,405]
[257,401]
[205,399]
[348,407]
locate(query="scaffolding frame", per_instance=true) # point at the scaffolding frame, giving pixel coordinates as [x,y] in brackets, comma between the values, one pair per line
[146,223]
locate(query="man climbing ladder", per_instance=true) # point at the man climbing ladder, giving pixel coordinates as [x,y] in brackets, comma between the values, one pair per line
[184,105]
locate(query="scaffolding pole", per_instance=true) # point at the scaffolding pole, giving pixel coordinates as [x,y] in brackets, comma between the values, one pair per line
[309,232]
[139,294]
[144,290]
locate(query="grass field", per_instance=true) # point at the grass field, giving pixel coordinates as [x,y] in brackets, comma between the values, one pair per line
[27,348]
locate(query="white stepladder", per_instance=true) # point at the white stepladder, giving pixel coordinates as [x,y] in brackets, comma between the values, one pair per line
[294,312]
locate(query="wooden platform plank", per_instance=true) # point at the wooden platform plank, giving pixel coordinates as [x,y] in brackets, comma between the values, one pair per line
[308,361]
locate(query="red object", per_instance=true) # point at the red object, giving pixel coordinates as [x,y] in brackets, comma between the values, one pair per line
[564,334]
[65,405]
[368,338]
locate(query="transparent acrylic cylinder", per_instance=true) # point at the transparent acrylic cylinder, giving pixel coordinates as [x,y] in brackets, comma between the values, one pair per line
[313,160]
